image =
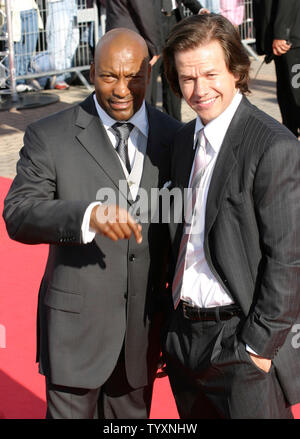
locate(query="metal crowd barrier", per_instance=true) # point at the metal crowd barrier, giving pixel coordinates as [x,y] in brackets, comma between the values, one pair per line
[247,29]
[59,40]
[56,39]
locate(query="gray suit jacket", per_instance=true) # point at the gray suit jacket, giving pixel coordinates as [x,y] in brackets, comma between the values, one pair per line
[94,296]
[252,231]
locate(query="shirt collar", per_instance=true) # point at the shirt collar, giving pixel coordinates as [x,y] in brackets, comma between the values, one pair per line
[216,129]
[139,119]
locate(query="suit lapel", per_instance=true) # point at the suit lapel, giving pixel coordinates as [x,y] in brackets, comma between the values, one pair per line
[94,139]
[225,164]
[186,160]
[183,158]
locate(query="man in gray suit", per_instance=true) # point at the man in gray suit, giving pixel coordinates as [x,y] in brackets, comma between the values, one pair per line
[229,344]
[98,325]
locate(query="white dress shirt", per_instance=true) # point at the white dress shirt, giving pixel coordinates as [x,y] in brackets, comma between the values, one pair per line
[137,145]
[200,287]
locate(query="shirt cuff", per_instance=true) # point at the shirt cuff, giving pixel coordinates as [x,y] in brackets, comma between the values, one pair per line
[251,350]
[87,232]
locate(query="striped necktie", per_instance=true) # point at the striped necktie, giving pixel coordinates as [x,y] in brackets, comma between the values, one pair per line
[200,163]
[122,131]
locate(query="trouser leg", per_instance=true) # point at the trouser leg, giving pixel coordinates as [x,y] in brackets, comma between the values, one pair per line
[288,89]
[70,403]
[213,376]
[171,102]
[118,400]
[151,92]
[115,399]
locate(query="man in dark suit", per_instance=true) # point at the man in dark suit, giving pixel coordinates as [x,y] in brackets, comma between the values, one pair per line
[229,342]
[277,25]
[138,15]
[98,325]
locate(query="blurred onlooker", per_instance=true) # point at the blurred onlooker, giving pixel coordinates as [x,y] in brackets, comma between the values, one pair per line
[91,34]
[277,25]
[212,5]
[26,22]
[171,12]
[233,10]
[139,16]
[62,38]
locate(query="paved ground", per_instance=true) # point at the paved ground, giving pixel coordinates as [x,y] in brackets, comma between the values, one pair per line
[14,122]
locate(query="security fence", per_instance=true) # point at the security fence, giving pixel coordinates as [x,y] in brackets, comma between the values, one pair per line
[48,43]
[247,28]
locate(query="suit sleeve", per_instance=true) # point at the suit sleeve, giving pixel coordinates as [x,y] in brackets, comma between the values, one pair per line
[32,213]
[277,204]
[136,15]
[285,18]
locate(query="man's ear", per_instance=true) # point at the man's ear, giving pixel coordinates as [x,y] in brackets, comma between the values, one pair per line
[92,73]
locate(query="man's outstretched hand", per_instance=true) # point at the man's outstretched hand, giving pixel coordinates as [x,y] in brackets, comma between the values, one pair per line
[115,223]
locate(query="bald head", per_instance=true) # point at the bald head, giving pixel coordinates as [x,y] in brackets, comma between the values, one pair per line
[120,73]
[119,38]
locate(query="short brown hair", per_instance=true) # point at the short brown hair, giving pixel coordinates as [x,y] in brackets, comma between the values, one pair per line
[198,30]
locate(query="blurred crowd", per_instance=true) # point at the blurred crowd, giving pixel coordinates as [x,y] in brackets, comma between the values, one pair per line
[47,35]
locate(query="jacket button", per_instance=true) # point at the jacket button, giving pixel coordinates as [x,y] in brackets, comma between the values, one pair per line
[132,258]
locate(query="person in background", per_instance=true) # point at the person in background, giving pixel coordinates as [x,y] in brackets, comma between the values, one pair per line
[235,258]
[62,35]
[170,12]
[277,25]
[212,5]
[233,10]
[26,22]
[91,34]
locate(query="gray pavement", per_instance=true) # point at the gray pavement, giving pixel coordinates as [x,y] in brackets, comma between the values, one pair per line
[14,122]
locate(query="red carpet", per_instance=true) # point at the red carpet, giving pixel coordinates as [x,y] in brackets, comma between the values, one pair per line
[21,386]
